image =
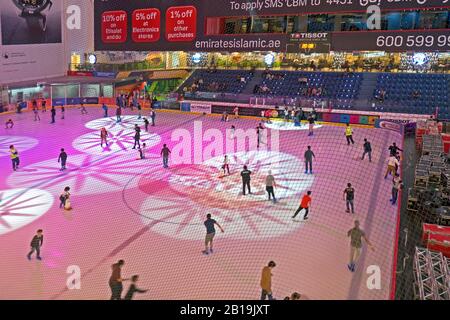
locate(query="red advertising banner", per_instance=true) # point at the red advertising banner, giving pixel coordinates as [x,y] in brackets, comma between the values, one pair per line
[80,74]
[181,24]
[146,25]
[114,26]
[108,101]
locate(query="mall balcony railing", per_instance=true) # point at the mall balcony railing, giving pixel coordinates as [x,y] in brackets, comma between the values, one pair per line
[115,68]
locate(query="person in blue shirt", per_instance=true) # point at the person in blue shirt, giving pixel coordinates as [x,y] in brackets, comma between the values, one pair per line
[105,110]
[210,233]
[62,159]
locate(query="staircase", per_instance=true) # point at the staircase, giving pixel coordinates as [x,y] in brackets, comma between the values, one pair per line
[368,85]
[257,79]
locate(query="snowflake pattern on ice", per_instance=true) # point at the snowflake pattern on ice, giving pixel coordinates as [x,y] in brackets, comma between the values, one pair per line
[178,208]
[118,141]
[20,207]
[85,174]
[111,124]
[22,144]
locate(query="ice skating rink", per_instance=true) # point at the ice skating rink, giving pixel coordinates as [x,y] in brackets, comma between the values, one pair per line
[152,218]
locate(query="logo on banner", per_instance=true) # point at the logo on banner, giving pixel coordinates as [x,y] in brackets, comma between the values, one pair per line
[310,36]
[390,125]
[201,108]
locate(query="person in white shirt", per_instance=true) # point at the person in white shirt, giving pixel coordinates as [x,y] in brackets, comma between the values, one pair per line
[226,165]
[232,132]
[270,185]
[397,184]
[286,115]
[392,165]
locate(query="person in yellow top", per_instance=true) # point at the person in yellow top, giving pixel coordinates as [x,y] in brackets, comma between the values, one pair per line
[349,134]
[14,157]
[266,281]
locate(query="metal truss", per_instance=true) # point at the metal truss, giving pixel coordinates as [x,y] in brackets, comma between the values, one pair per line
[431,275]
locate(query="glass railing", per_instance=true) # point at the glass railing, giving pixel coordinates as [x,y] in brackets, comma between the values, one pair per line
[110,67]
[335,104]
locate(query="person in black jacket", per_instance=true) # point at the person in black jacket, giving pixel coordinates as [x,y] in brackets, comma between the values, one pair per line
[245,174]
[53,114]
[36,244]
[137,136]
[133,289]
[394,149]
[146,123]
[309,155]
[139,107]
[62,159]
[367,149]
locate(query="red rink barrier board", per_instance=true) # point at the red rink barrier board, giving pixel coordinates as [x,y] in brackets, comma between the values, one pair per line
[430,230]
[440,243]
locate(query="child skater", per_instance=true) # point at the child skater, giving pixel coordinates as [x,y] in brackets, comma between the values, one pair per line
[133,289]
[36,114]
[9,124]
[83,109]
[142,151]
[236,113]
[226,165]
[146,123]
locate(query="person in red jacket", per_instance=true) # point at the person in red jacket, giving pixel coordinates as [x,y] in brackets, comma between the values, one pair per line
[103,137]
[304,205]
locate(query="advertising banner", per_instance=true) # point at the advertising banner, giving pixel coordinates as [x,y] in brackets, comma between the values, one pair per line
[185,106]
[59,102]
[157,9]
[31,45]
[92,100]
[110,75]
[195,25]
[396,126]
[201,108]
[80,74]
[317,42]
[73,101]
